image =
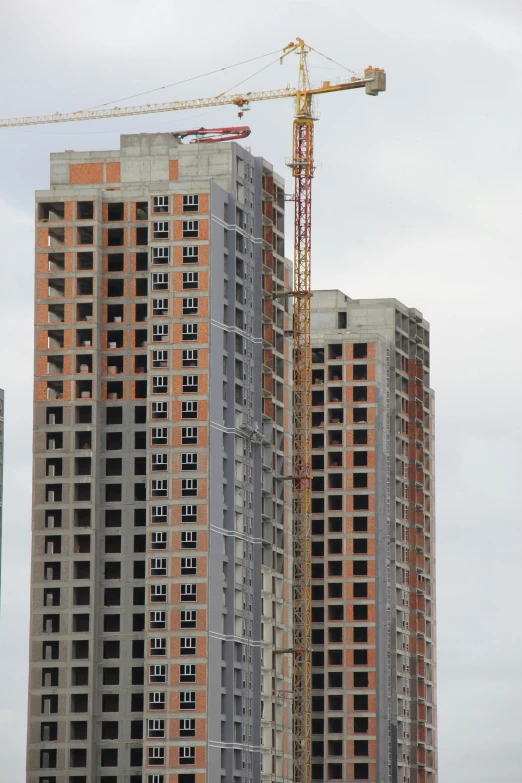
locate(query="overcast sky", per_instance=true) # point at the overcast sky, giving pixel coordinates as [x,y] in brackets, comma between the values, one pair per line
[418,196]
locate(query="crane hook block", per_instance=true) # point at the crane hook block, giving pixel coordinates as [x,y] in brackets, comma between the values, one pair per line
[375,79]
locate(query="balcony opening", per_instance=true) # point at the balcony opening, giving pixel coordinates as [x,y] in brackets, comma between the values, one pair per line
[55,338]
[82,517]
[114,441]
[142,210]
[83,389]
[84,260]
[335,373]
[360,350]
[360,372]
[335,415]
[114,415]
[54,365]
[84,311]
[83,338]
[84,286]
[335,351]
[80,651]
[115,262]
[360,567]
[113,544]
[114,339]
[56,286]
[360,393]
[81,623]
[112,596]
[360,589]
[83,415]
[317,355]
[56,262]
[114,390]
[360,437]
[56,237]
[115,237]
[115,212]
[49,732]
[360,524]
[79,729]
[54,210]
[142,262]
[82,492]
[85,210]
[115,365]
[113,517]
[111,623]
[335,480]
[110,729]
[84,363]
[335,590]
[112,570]
[317,398]
[85,235]
[360,725]
[55,314]
[115,287]
[360,480]
[361,680]
[140,338]
[317,418]
[140,312]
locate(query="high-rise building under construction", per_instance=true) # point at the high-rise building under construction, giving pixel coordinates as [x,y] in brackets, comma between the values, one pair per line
[161,633]
[373,559]
[161,569]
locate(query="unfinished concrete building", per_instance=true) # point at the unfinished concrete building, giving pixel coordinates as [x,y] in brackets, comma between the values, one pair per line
[161,568]
[373,539]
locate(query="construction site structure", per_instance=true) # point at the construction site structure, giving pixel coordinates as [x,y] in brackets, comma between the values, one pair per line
[302,169]
[374,715]
[162,518]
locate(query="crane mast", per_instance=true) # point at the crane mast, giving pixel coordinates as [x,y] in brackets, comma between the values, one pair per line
[303,171]
[302,166]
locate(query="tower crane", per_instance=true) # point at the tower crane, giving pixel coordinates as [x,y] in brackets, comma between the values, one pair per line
[302,167]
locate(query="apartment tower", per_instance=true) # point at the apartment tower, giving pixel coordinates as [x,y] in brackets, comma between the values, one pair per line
[161,568]
[373,539]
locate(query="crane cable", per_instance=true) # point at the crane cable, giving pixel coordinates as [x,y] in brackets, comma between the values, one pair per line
[183,81]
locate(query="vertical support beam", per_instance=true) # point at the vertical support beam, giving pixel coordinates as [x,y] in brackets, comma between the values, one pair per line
[302,166]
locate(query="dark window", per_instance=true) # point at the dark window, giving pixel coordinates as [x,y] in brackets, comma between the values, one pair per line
[360,524]
[360,546]
[110,702]
[111,650]
[360,702]
[360,680]
[360,771]
[109,730]
[115,212]
[84,210]
[114,415]
[361,503]
[360,589]
[111,675]
[109,757]
[360,350]
[360,612]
